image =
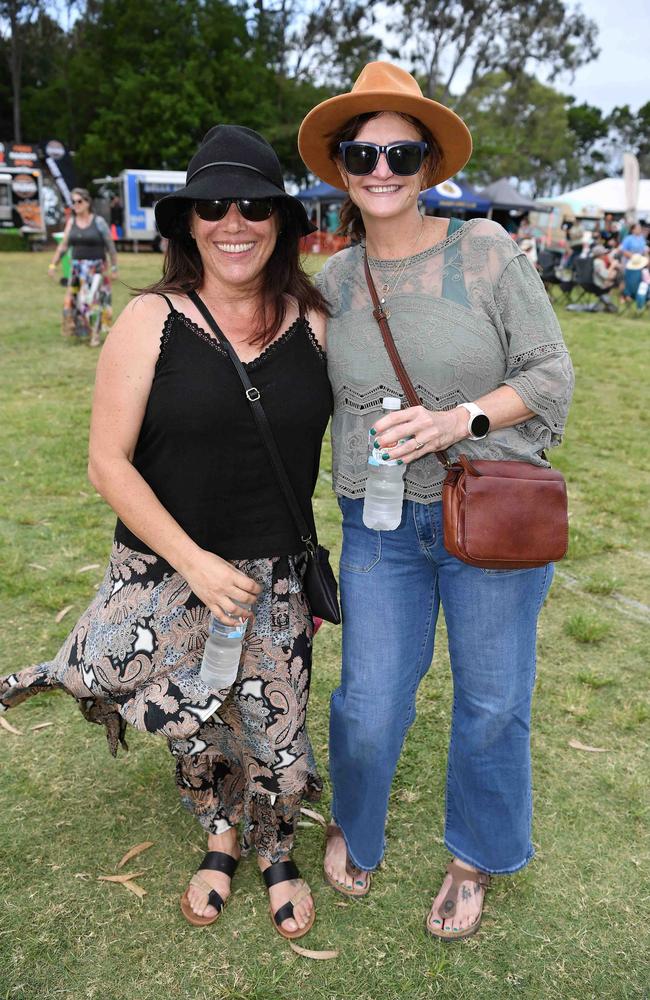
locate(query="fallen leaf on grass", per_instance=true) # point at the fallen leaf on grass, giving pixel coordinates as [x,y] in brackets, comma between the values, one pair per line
[37,566]
[133,853]
[119,878]
[41,725]
[577,745]
[10,729]
[135,889]
[308,953]
[84,569]
[314,815]
[63,612]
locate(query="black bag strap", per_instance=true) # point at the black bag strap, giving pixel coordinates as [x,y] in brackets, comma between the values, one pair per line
[253,397]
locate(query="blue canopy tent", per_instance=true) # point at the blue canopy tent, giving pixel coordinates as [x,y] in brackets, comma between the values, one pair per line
[319,193]
[455,195]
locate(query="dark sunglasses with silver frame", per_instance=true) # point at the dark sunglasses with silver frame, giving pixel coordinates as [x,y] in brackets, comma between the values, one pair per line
[251,209]
[404,158]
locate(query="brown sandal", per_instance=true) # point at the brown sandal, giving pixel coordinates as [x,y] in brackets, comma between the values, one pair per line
[334,831]
[287,871]
[216,861]
[448,907]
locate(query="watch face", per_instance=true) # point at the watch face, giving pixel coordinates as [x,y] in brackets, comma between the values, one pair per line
[480,425]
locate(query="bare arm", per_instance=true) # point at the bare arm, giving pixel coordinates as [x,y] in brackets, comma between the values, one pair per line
[124,376]
[63,245]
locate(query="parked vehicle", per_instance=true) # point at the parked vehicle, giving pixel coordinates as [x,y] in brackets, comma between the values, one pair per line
[138,192]
[21,202]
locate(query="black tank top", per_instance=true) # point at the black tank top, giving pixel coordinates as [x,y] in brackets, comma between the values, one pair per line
[87,243]
[201,452]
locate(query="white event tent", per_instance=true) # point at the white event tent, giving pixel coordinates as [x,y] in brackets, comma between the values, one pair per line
[607,195]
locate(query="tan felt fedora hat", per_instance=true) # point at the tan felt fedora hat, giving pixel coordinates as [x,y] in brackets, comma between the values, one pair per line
[382,87]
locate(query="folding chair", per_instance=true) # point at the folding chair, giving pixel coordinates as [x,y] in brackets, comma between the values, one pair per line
[583,268]
[553,278]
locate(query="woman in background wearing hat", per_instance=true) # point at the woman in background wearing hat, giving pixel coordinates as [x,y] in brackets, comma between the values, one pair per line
[202,525]
[482,345]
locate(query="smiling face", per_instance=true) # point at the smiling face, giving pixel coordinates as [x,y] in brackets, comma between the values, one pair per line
[234,251]
[383,194]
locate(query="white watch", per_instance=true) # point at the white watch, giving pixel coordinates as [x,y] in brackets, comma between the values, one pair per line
[478,424]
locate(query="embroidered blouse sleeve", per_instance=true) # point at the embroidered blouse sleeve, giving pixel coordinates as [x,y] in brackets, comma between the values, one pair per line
[538,367]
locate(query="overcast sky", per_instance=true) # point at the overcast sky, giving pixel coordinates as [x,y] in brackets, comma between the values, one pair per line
[621,74]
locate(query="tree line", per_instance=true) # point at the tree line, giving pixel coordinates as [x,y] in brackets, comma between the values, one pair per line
[137,82]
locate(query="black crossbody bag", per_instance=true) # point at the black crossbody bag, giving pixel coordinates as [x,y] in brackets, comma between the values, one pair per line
[319,581]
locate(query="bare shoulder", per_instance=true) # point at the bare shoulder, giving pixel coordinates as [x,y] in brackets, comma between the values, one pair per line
[142,316]
[135,336]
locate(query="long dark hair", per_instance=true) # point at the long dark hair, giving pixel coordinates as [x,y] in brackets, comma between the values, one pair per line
[283,275]
[351,219]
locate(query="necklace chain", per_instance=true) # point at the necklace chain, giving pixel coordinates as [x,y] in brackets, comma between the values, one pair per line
[390,287]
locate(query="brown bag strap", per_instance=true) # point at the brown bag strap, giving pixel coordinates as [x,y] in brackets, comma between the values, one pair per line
[380,315]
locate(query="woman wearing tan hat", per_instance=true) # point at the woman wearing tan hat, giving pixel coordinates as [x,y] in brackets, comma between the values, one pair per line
[481,343]
[203,526]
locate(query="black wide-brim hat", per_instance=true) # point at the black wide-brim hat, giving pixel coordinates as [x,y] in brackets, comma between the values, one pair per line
[232,162]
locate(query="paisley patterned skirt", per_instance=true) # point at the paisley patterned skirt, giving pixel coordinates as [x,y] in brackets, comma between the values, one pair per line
[242,753]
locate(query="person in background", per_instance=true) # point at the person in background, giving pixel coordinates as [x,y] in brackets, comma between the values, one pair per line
[605,275]
[634,242]
[481,342]
[524,229]
[203,527]
[117,217]
[87,306]
[529,247]
[633,276]
[608,228]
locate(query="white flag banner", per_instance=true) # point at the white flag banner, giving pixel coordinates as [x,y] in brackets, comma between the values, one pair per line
[631,181]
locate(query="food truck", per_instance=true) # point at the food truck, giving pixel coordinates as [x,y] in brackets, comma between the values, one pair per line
[139,190]
[21,201]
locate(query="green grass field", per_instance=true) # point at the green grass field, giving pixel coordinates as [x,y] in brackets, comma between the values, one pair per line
[573,926]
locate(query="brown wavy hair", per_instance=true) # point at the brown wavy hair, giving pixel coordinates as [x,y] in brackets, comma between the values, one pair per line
[283,275]
[351,219]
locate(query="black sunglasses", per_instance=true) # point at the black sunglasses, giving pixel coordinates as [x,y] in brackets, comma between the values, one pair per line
[403,158]
[252,209]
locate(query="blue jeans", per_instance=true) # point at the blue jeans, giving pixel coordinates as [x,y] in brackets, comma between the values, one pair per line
[392,584]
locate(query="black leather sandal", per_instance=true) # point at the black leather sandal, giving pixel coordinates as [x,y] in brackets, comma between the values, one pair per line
[285,871]
[216,861]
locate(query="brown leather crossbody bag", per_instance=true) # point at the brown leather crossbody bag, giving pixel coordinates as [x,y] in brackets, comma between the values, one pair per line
[496,515]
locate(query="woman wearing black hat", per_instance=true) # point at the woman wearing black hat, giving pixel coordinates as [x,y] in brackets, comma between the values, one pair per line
[202,525]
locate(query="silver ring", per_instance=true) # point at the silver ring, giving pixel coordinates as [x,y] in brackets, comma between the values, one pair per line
[418,444]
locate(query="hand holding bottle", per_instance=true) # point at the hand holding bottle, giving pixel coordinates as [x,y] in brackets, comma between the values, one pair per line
[225,590]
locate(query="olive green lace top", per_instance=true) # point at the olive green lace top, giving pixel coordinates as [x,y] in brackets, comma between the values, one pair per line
[469,315]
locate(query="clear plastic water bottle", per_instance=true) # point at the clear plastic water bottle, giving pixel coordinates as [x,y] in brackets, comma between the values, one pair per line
[222,653]
[382,507]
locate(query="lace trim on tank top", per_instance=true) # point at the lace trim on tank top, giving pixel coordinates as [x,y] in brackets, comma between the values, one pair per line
[250,365]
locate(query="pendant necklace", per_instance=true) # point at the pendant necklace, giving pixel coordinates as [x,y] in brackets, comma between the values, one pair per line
[388,288]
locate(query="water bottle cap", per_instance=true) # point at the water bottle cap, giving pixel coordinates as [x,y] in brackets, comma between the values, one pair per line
[391,403]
